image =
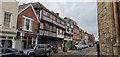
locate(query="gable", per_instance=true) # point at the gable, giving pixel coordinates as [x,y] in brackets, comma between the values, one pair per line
[29,11]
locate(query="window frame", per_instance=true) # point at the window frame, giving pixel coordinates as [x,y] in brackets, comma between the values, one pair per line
[46,26]
[24,18]
[7,22]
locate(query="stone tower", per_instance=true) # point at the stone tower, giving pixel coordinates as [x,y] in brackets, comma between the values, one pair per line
[108,27]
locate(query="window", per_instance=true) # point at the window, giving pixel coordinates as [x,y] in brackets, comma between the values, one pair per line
[58,31]
[6,43]
[31,26]
[72,30]
[51,16]
[48,14]
[27,23]
[7,18]
[54,18]
[47,26]
[38,13]
[68,28]
[58,20]
[50,27]
[54,29]
[41,25]
[62,32]
[44,12]
[62,23]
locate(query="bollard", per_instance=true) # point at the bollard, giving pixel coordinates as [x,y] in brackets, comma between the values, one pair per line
[98,50]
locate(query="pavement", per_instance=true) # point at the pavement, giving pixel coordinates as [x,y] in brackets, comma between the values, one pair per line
[88,52]
[64,53]
[92,53]
[71,52]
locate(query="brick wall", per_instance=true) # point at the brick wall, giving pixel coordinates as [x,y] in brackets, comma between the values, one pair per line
[76,31]
[28,13]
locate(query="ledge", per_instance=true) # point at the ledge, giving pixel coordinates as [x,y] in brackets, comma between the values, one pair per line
[116,45]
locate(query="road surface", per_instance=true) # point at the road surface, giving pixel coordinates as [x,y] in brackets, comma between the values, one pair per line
[88,52]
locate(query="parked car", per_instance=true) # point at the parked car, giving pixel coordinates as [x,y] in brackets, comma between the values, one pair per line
[86,46]
[49,47]
[9,52]
[72,47]
[78,47]
[83,47]
[38,49]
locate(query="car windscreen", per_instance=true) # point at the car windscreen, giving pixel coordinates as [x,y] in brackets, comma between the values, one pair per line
[14,50]
[48,46]
[0,51]
[30,47]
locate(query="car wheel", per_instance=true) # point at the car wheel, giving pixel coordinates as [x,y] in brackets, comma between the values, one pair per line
[47,54]
[81,49]
[31,55]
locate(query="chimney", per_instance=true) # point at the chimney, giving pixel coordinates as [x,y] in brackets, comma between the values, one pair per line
[65,17]
[57,14]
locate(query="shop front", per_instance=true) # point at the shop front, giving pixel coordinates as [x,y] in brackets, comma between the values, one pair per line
[53,41]
[25,40]
[7,42]
[67,43]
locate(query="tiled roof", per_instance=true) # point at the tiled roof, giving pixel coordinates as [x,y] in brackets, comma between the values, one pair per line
[21,7]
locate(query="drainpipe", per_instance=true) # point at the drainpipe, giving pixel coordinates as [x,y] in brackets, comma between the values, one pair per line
[116,47]
[36,39]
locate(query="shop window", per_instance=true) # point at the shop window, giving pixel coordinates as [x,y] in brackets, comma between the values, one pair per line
[27,41]
[7,43]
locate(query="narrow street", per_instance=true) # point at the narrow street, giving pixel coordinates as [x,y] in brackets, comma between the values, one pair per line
[88,52]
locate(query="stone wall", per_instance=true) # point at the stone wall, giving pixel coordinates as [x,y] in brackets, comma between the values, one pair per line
[106,27]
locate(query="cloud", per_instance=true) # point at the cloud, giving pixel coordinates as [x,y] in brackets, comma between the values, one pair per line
[83,12]
[57,1]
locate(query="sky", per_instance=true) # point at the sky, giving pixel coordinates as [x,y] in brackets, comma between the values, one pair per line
[82,12]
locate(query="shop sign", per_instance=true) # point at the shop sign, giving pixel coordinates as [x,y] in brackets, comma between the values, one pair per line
[28,35]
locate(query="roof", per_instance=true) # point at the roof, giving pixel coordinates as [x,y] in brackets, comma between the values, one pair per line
[21,7]
[40,6]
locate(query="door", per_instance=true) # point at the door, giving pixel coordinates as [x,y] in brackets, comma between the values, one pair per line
[40,50]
